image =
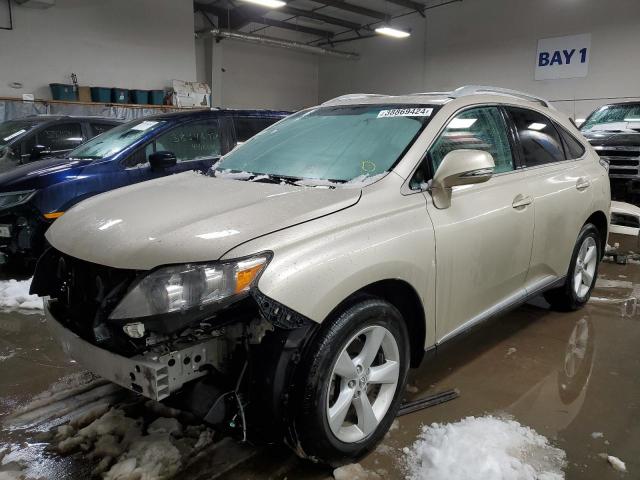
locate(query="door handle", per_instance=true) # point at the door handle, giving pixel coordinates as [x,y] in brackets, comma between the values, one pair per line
[583,183]
[522,201]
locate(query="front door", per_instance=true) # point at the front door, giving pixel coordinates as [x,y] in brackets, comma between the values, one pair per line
[484,239]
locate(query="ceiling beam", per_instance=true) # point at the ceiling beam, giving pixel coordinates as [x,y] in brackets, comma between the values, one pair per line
[418,7]
[240,17]
[319,16]
[348,7]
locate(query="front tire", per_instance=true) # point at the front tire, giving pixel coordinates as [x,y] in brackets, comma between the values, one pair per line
[353,378]
[583,271]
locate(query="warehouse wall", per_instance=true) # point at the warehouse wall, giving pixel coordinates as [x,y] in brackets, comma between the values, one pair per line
[478,42]
[127,43]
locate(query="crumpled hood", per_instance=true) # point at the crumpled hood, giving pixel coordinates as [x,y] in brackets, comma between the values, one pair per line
[40,174]
[186,218]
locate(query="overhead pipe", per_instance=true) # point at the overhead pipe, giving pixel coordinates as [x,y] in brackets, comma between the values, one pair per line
[275,42]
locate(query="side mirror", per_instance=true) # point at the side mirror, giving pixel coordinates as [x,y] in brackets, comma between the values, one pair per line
[38,151]
[162,160]
[460,167]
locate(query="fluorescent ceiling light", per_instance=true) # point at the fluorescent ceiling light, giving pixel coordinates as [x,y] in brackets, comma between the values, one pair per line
[267,3]
[580,121]
[462,122]
[632,119]
[392,32]
[537,126]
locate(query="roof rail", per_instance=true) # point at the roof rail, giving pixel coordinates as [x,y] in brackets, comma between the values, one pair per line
[353,96]
[479,89]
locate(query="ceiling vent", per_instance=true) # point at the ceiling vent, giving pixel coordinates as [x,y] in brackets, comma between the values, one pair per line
[36,3]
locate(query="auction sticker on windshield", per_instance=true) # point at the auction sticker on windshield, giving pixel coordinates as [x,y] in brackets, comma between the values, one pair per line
[146,125]
[406,112]
[5,231]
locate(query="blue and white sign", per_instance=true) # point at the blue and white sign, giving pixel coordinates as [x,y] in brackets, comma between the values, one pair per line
[563,57]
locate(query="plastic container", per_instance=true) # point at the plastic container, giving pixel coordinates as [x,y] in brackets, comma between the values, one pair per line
[62,91]
[119,95]
[156,97]
[140,97]
[100,94]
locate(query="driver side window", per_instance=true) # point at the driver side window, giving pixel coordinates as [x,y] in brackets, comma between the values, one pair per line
[193,141]
[481,128]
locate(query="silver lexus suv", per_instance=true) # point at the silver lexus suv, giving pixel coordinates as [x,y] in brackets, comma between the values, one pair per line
[285,295]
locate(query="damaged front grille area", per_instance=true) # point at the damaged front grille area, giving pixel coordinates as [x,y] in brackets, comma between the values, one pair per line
[84,293]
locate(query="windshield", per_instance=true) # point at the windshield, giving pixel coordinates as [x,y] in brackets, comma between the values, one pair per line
[613,117]
[13,129]
[338,144]
[115,140]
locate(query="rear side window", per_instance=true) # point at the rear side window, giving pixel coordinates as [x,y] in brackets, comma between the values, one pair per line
[573,148]
[539,140]
[61,136]
[247,127]
[481,128]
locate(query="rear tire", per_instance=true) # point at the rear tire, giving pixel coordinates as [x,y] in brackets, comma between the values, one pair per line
[582,274]
[353,378]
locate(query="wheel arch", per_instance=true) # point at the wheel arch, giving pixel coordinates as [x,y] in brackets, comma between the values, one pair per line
[404,297]
[599,220]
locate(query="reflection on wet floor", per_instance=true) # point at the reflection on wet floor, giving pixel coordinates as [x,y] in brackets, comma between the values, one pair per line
[572,377]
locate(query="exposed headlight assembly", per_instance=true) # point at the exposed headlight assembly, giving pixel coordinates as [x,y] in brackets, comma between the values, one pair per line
[180,288]
[11,199]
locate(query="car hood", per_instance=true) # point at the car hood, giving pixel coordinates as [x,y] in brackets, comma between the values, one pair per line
[186,218]
[40,174]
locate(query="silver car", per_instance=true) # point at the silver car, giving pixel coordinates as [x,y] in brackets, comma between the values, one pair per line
[284,296]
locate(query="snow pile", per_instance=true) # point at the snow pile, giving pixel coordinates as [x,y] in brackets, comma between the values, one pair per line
[357,182]
[484,448]
[616,463]
[14,295]
[124,449]
[355,471]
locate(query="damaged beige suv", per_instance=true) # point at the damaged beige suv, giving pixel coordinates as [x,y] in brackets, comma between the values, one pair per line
[284,296]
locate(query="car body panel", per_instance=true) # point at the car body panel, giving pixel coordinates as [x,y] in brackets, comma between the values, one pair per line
[211,214]
[624,239]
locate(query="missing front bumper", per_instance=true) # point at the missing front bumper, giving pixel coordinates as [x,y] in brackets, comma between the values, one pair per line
[155,376]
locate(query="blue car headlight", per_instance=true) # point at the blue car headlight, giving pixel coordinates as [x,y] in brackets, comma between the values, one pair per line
[11,199]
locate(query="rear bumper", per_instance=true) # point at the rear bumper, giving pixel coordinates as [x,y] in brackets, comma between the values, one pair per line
[155,376]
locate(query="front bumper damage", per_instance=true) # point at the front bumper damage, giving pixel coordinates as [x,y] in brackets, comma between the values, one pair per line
[155,376]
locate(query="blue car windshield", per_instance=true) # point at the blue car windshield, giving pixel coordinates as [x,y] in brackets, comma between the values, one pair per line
[340,143]
[13,129]
[115,140]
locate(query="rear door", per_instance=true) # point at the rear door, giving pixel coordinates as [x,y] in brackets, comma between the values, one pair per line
[561,188]
[483,240]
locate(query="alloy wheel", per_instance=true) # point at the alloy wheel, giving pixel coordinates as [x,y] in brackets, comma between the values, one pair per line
[586,263]
[363,383]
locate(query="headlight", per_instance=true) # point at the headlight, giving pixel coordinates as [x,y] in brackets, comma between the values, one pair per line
[11,199]
[185,287]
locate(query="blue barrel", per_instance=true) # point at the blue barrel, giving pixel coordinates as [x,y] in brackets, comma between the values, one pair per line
[62,91]
[120,95]
[156,97]
[101,94]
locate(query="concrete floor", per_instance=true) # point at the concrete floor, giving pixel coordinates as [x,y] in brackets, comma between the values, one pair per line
[566,375]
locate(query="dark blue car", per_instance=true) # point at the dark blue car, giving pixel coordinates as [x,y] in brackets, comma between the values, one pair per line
[34,195]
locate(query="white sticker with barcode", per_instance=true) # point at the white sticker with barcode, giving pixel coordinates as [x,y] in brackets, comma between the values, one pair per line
[406,112]
[146,125]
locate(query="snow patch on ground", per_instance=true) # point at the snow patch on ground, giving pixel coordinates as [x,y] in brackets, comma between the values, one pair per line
[597,435]
[355,471]
[484,448]
[511,351]
[122,448]
[616,463]
[14,295]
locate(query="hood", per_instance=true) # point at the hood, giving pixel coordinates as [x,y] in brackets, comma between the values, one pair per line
[40,174]
[186,218]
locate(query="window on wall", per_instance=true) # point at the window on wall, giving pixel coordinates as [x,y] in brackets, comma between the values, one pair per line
[61,137]
[539,140]
[481,128]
